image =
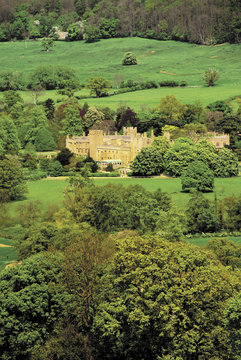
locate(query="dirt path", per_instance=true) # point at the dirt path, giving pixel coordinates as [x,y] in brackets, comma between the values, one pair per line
[3,245]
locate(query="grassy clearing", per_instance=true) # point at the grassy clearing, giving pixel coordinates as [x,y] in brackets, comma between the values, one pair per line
[8,253]
[157,60]
[202,241]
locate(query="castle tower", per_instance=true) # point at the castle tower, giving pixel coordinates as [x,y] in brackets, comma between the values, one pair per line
[95,139]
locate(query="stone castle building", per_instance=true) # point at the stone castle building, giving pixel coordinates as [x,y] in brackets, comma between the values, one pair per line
[120,150]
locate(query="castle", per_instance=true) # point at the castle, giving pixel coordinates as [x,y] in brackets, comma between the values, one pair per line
[120,150]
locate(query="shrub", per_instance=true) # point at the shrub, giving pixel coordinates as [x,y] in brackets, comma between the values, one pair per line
[129,59]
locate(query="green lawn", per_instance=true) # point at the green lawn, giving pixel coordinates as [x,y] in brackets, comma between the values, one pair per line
[202,241]
[51,191]
[157,60]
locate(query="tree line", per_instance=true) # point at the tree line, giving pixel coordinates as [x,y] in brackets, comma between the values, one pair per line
[202,22]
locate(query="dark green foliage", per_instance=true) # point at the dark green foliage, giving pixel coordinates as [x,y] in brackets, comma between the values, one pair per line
[9,141]
[12,185]
[91,34]
[150,161]
[108,28]
[64,156]
[114,207]
[129,59]
[44,140]
[11,80]
[49,78]
[49,108]
[220,106]
[74,32]
[201,214]
[197,176]
[29,161]
[29,305]
[226,163]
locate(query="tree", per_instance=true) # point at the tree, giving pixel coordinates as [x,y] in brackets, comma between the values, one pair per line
[11,80]
[44,140]
[171,110]
[210,77]
[92,116]
[74,32]
[150,161]
[9,136]
[197,176]
[226,163]
[129,59]
[98,86]
[64,156]
[179,156]
[47,43]
[29,305]
[232,324]
[201,214]
[91,34]
[12,184]
[163,300]
[227,252]
[72,122]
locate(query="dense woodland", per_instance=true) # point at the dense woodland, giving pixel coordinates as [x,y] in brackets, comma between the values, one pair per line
[198,21]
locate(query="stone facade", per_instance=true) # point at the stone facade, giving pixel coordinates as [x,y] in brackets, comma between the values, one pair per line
[118,149]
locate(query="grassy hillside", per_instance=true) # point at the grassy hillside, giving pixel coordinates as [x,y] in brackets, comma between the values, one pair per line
[157,60]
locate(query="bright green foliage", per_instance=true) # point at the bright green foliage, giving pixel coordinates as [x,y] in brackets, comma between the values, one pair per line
[9,136]
[129,59]
[227,252]
[72,122]
[163,301]
[12,186]
[226,163]
[150,161]
[29,305]
[201,214]
[92,116]
[232,323]
[98,86]
[44,140]
[179,156]
[171,224]
[197,176]
[171,110]
[32,122]
[210,76]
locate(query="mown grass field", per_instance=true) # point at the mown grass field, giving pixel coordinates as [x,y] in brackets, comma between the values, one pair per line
[157,60]
[51,191]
